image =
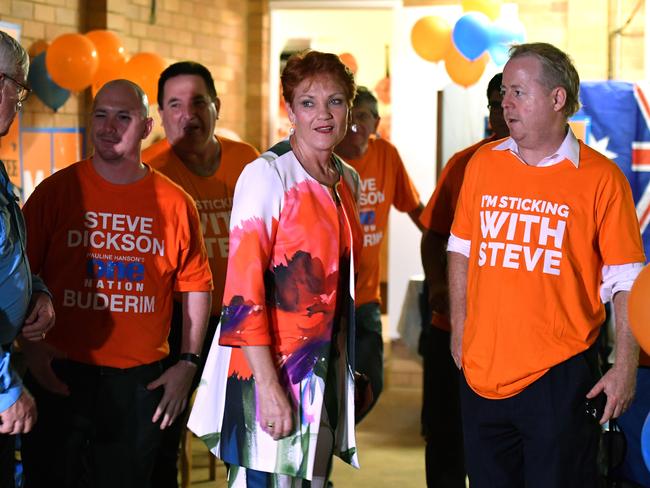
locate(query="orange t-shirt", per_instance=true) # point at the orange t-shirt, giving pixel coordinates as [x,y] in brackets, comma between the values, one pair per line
[213,197]
[439,212]
[384,181]
[154,150]
[539,239]
[112,256]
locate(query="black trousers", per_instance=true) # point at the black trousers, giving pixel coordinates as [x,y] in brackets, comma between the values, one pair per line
[441,418]
[369,349]
[7,460]
[101,435]
[539,438]
[165,472]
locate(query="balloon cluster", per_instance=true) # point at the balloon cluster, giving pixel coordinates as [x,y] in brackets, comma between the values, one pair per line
[74,62]
[466,47]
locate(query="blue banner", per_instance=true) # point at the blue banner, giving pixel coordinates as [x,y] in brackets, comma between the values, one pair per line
[616,119]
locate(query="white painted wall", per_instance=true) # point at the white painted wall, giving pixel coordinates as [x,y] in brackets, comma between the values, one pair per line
[415,83]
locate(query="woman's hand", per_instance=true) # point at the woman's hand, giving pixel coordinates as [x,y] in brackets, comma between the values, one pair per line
[274,409]
[273,405]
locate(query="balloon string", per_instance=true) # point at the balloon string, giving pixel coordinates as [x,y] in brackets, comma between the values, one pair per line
[387,56]
[152,12]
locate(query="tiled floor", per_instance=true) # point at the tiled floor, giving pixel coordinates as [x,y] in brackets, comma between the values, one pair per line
[391,451]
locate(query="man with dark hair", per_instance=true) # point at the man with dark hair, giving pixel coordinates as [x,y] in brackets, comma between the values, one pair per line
[544,233]
[441,422]
[116,240]
[207,167]
[25,302]
[384,183]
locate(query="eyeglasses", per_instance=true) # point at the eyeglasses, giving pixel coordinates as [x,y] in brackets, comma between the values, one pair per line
[23,91]
[494,106]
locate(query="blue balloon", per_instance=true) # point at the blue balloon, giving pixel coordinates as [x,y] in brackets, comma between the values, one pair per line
[499,53]
[645,441]
[502,37]
[472,35]
[501,33]
[49,92]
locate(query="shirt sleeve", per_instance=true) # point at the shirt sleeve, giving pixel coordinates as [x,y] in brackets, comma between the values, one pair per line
[10,385]
[619,236]
[253,226]
[462,224]
[618,278]
[194,272]
[461,246]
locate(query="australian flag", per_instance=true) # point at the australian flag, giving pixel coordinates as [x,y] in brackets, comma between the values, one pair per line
[615,120]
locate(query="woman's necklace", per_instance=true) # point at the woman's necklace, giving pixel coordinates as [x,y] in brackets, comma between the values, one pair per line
[328,175]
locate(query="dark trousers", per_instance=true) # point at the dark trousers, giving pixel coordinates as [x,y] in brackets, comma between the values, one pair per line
[369,349]
[165,473]
[101,435]
[539,438]
[7,460]
[441,418]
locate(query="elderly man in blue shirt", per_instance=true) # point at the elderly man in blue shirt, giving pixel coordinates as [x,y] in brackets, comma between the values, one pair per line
[25,304]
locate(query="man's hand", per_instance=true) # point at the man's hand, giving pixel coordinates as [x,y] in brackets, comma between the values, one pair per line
[39,356]
[619,384]
[176,382]
[40,318]
[20,417]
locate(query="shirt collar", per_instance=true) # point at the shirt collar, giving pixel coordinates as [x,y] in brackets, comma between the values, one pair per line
[569,149]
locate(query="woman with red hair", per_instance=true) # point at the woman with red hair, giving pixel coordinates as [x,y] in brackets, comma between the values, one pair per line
[277,395]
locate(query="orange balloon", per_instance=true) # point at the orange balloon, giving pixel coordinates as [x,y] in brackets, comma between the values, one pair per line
[111,55]
[37,48]
[144,69]
[71,61]
[382,89]
[463,71]
[350,61]
[431,38]
[638,309]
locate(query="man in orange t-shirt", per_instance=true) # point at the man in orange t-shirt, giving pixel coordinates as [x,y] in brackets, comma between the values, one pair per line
[545,232]
[384,182]
[207,167]
[115,239]
[441,422]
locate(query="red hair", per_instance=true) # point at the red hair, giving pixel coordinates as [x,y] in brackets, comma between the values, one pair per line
[308,64]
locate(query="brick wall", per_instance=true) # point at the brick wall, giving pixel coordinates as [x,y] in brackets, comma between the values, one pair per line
[213,32]
[231,37]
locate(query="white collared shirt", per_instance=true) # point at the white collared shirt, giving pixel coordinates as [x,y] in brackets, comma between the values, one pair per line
[569,149]
[616,277]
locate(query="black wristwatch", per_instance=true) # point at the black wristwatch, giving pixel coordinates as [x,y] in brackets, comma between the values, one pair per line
[192,358]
